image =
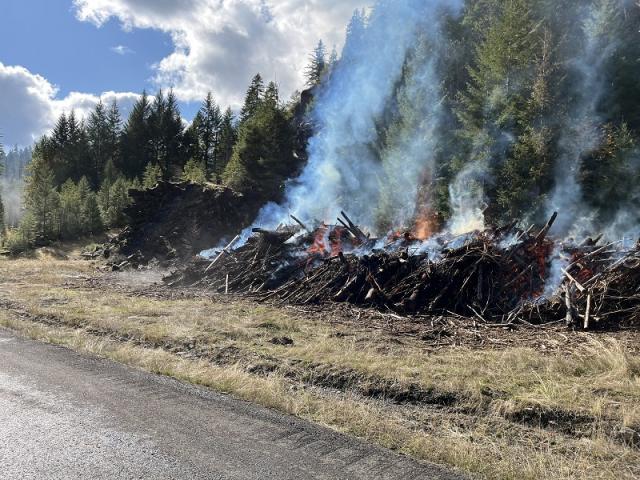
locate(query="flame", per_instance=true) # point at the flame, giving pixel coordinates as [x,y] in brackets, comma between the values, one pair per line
[335,238]
[319,244]
[327,241]
[427,224]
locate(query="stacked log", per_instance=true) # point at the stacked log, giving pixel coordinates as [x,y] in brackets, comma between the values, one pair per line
[496,277]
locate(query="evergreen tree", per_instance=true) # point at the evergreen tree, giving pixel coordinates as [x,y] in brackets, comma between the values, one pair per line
[69,217]
[263,157]
[617,32]
[317,66]
[252,99]
[152,175]
[166,134]
[355,34]
[209,125]
[228,139]
[503,108]
[119,200]
[3,159]
[41,199]
[192,141]
[135,142]
[194,172]
[98,133]
[77,151]
[114,130]
[90,215]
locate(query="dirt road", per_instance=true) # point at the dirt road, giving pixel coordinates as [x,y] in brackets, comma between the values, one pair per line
[64,415]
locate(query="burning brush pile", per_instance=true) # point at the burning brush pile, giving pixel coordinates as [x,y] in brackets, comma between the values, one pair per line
[501,276]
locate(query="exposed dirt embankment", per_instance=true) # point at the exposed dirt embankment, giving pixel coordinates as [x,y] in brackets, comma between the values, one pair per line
[175,221]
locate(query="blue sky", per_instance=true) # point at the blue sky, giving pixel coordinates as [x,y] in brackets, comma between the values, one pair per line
[45,37]
[63,55]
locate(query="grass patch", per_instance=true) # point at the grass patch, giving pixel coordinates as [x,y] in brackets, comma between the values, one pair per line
[518,413]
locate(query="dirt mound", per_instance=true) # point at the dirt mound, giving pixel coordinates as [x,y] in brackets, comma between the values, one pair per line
[175,221]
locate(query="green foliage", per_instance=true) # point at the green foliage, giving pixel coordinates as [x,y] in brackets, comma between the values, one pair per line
[609,173]
[23,238]
[526,86]
[69,216]
[136,139]
[317,65]
[91,218]
[209,134]
[42,199]
[194,172]
[263,158]
[252,99]
[228,139]
[152,175]
[113,212]
[3,158]
[166,142]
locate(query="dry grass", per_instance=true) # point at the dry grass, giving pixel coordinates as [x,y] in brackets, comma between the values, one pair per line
[597,380]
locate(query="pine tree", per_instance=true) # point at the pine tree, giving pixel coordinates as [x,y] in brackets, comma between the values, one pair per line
[263,157]
[501,105]
[152,175]
[91,217]
[119,195]
[98,135]
[70,221]
[209,124]
[3,159]
[192,140]
[136,139]
[41,199]
[252,99]
[194,172]
[228,139]
[76,153]
[355,34]
[166,134]
[317,66]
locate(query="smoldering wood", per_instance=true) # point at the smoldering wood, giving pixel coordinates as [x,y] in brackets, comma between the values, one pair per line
[498,286]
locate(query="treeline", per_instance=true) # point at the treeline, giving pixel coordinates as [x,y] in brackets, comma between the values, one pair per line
[540,104]
[78,180]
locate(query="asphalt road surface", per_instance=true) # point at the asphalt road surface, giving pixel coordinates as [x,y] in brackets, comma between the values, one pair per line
[68,416]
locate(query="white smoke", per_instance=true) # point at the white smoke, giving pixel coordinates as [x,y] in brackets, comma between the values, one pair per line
[408,163]
[11,194]
[468,201]
[580,133]
[344,169]
[558,263]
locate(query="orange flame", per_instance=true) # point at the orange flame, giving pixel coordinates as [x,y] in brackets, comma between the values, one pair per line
[426,225]
[335,237]
[318,246]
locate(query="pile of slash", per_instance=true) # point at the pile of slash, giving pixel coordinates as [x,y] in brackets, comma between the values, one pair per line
[498,277]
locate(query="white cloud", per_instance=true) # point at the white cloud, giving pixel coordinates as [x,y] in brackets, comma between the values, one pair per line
[29,106]
[219,45]
[122,50]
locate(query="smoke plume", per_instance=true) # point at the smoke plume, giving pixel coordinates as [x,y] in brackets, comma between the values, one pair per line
[347,169]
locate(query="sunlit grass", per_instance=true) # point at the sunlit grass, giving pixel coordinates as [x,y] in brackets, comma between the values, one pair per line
[599,378]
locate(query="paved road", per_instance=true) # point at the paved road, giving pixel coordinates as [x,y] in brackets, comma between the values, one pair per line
[65,415]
